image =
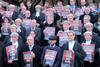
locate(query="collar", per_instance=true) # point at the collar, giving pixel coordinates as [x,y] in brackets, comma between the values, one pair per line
[53,45]
[88,42]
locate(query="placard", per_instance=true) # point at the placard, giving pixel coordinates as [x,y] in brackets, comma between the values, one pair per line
[50,31]
[62,38]
[12,53]
[76,26]
[28,59]
[68,59]
[49,57]
[5,29]
[26,23]
[89,50]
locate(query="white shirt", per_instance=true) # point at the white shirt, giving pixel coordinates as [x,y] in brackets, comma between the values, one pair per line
[15,43]
[71,45]
[83,8]
[37,14]
[30,47]
[18,29]
[88,42]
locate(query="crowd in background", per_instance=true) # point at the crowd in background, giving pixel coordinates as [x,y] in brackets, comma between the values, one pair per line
[59,27]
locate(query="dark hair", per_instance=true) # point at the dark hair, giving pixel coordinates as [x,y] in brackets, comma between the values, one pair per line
[6,18]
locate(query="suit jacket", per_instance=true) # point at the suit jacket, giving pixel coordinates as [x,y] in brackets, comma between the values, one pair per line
[36,49]
[96,53]
[7,40]
[15,63]
[40,18]
[22,33]
[79,54]
[2,56]
[14,15]
[58,56]
[96,25]
[93,18]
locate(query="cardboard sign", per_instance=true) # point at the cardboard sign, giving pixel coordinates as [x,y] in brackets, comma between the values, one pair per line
[28,58]
[49,57]
[89,49]
[62,38]
[5,30]
[68,59]
[50,31]
[12,52]
[76,26]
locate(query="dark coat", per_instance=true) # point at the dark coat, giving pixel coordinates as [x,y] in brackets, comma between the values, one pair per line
[92,20]
[2,56]
[58,56]
[40,18]
[96,25]
[36,49]
[96,61]
[22,33]
[15,63]
[8,39]
[79,54]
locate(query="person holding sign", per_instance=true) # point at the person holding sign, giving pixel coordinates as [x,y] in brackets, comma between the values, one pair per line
[72,52]
[29,54]
[90,47]
[13,46]
[51,54]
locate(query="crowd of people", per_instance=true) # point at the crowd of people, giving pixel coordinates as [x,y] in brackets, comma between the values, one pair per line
[50,36]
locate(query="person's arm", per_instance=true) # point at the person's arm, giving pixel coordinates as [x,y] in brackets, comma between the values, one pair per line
[58,59]
[79,52]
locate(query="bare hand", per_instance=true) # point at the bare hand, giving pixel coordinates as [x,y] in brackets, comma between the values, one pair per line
[10,61]
[33,55]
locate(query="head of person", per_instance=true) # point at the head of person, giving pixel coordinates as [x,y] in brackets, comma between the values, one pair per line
[30,40]
[23,9]
[32,33]
[86,19]
[13,28]
[87,10]
[22,4]
[18,22]
[70,17]
[27,13]
[99,19]
[71,35]
[6,20]
[1,8]
[72,2]
[38,8]
[59,2]
[33,23]
[78,12]
[68,9]
[92,7]
[49,20]
[65,25]
[83,2]
[29,3]
[88,36]
[11,8]
[14,36]
[52,40]
[99,5]
[47,4]
[89,27]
